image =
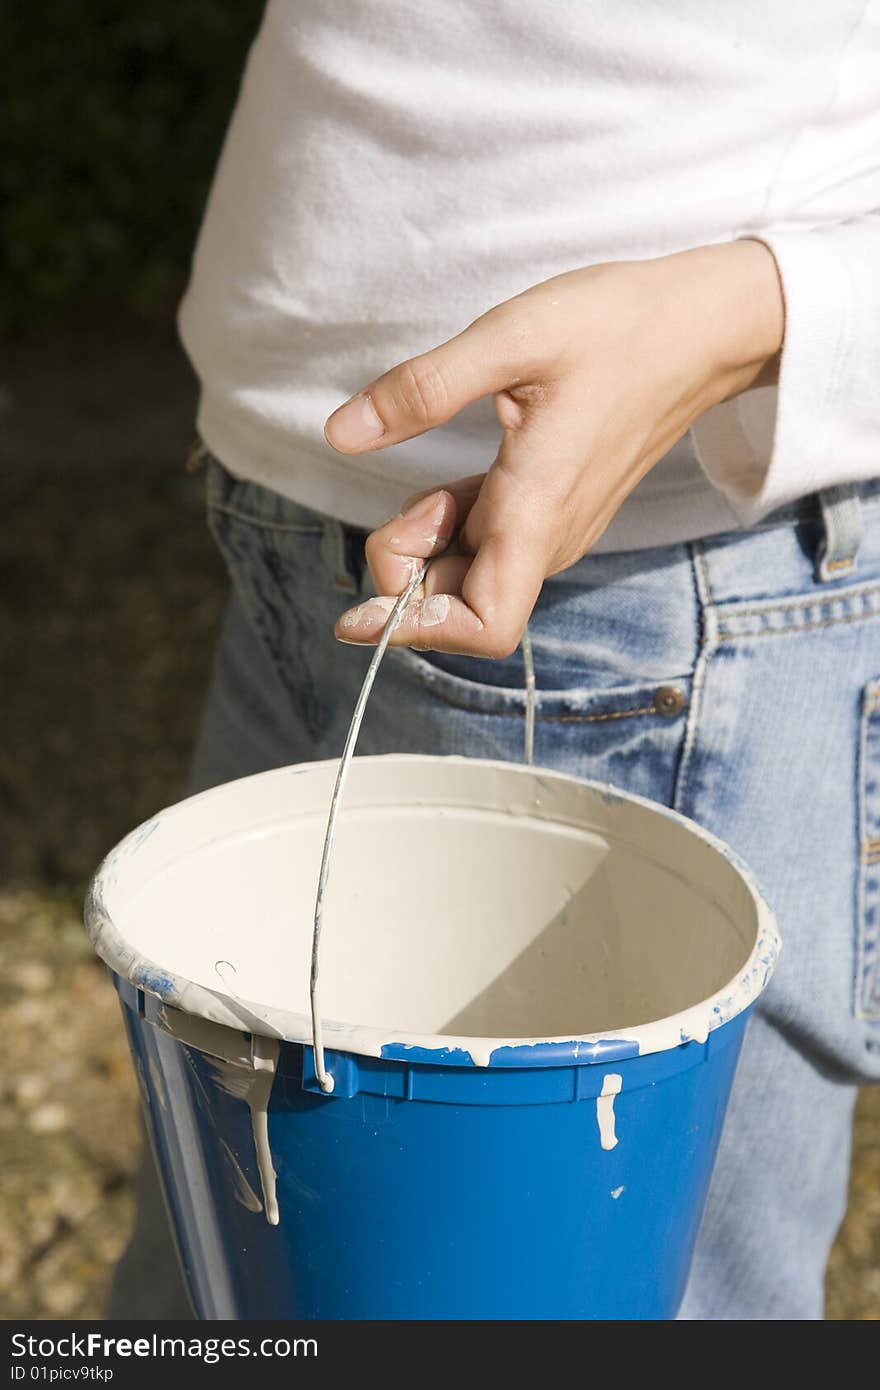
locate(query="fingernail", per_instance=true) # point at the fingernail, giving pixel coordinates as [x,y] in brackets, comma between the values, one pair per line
[366,613]
[354,424]
[425,507]
[435,610]
[351,618]
[380,606]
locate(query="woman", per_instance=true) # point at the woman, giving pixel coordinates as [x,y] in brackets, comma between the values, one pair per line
[649,217]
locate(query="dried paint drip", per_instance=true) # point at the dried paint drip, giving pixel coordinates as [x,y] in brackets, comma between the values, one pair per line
[254,1086]
[325,1080]
[243,1066]
[605,1112]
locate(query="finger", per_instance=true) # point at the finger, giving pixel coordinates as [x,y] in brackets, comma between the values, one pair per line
[420,626]
[523,518]
[464,490]
[513,531]
[474,606]
[423,529]
[510,533]
[364,624]
[501,588]
[426,391]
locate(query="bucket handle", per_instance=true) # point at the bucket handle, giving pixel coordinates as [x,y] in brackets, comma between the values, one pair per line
[325,1080]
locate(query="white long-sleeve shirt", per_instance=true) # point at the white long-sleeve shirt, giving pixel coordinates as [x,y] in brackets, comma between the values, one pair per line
[395,168]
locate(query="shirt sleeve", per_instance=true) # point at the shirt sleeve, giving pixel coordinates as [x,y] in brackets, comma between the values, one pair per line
[821,426]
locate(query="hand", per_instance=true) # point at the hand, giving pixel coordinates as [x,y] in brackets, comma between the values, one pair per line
[595,374]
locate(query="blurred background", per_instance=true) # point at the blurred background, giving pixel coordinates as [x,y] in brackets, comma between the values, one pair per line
[113,112]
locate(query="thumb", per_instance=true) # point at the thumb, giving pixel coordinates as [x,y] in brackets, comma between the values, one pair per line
[424,391]
[526,516]
[509,533]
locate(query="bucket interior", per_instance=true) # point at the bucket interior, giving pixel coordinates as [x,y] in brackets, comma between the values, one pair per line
[466,898]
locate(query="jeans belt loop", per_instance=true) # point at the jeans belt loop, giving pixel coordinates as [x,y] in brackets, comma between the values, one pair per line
[335,556]
[843,531]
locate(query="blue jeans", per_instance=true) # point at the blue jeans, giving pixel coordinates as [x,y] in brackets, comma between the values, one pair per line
[736,679]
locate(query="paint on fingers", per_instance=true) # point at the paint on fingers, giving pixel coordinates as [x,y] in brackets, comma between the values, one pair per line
[367,615]
[434,610]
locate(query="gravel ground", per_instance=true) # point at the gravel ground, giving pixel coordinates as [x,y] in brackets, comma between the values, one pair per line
[110,596]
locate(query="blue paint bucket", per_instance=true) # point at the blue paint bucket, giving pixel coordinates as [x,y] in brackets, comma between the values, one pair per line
[534,988]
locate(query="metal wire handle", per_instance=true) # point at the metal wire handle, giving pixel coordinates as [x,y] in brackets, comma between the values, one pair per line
[325,1080]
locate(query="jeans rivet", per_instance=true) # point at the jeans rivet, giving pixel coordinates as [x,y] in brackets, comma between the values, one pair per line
[669,701]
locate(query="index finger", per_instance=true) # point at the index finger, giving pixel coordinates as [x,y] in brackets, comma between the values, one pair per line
[484,612]
[423,529]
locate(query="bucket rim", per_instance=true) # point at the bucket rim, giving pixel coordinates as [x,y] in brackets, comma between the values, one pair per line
[690,1025]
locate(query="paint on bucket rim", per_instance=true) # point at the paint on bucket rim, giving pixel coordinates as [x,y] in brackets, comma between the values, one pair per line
[561,800]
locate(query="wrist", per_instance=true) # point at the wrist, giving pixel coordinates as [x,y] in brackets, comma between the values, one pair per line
[744,314]
[727,308]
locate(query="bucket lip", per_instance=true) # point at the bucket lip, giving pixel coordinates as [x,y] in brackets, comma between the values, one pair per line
[690,1025]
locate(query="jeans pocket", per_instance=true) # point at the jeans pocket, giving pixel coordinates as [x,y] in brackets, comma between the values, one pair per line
[240,500]
[277,556]
[582,704]
[630,735]
[867,975]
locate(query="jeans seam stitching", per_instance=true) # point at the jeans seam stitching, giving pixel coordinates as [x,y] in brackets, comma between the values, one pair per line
[702,577]
[770,606]
[861,992]
[516,698]
[726,635]
[449,699]
[708,646]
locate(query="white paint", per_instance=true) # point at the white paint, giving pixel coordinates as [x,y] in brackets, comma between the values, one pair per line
[258,1100]
[243,1068]
[379,607]
[435,610]
[369,612]
[254,1087]
[605,1110]
[558,910]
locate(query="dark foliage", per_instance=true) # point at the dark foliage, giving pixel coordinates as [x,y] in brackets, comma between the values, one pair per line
[112,115]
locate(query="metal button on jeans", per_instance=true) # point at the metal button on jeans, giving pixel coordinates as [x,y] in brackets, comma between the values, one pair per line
[669,701]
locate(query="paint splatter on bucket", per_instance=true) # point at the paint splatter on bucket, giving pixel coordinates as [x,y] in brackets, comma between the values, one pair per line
[534,994]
